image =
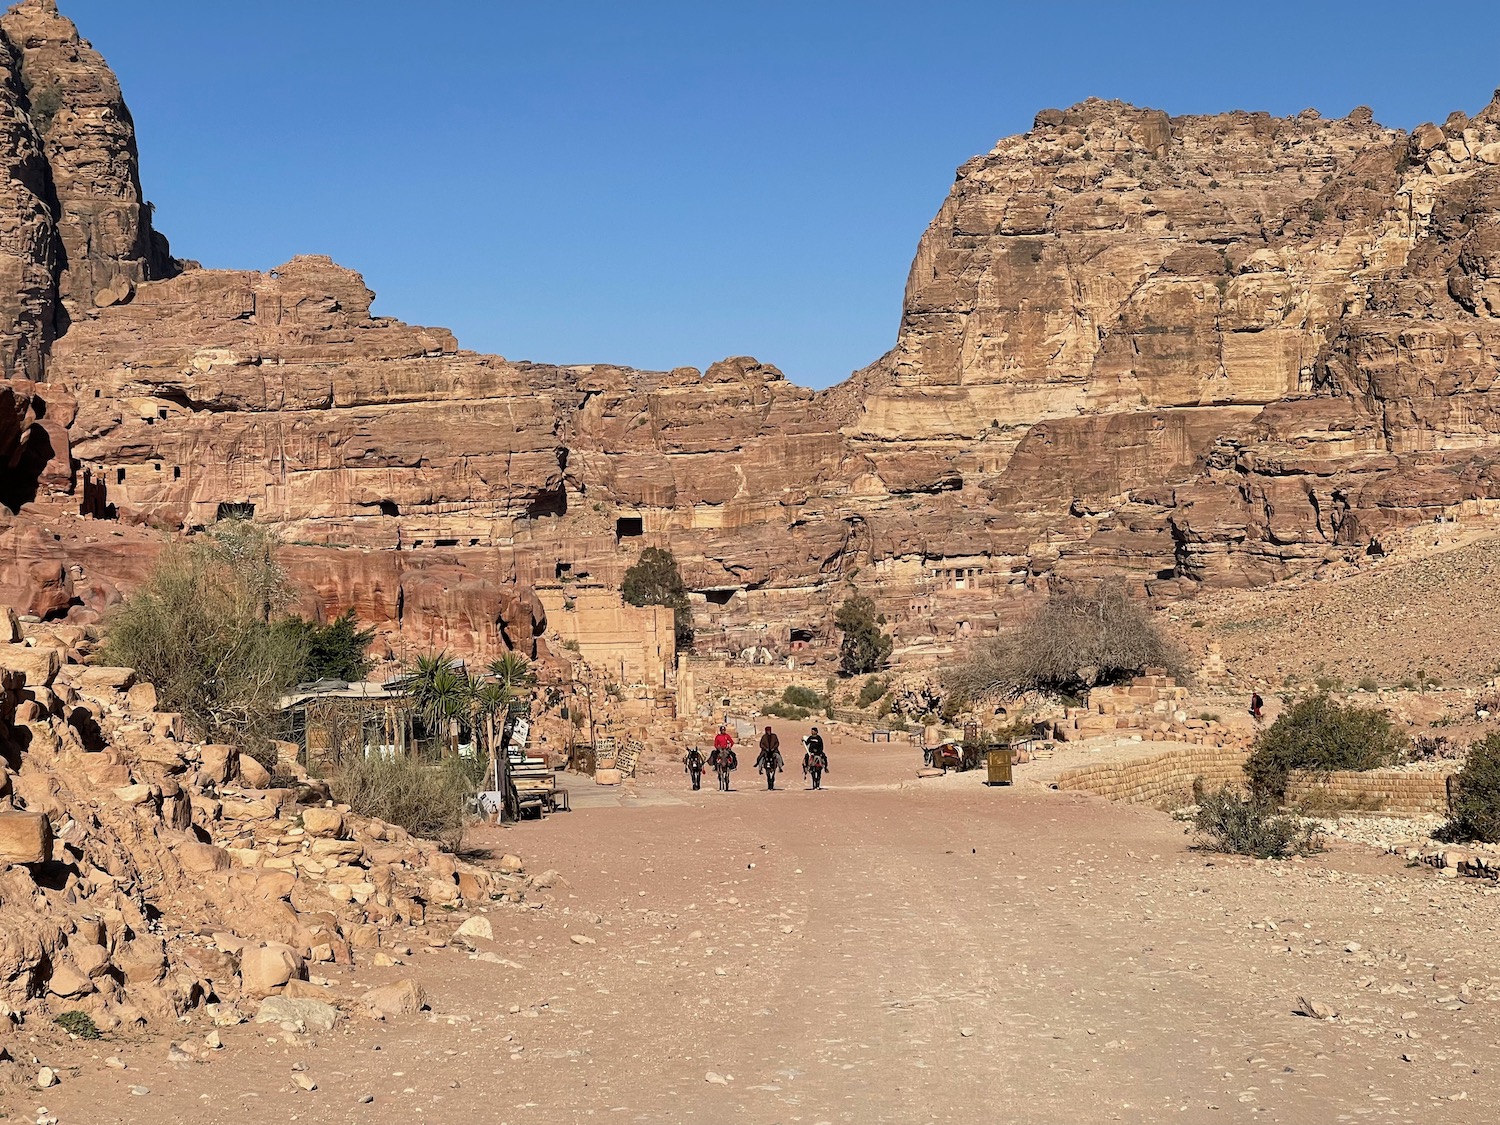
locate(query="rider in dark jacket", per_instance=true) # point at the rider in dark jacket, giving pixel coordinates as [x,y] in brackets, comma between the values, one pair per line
[768,761]
[815,760]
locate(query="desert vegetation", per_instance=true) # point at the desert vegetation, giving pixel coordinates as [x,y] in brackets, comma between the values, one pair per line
[1237,823]
[656,579]
[798,703]
[212,631]
[865,646]
[1318,733]
[1475,812]
[429,800]
[1072,642]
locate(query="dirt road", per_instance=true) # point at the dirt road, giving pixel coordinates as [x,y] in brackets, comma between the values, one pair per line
[891,951]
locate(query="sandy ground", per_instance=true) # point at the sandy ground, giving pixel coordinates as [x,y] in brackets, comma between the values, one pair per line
[887,950]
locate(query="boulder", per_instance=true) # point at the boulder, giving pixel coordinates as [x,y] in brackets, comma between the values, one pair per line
[403,998]
[37,667]
[308,1014]
[25,837]
[323,822]
[69,982]
[266,968]
[477,927]
[253,775]
[92,960]
[141,698]
[202,859]
[98,680]
[217,764]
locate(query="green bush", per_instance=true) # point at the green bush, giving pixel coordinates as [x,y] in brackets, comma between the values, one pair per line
[872,689]
[656,579]
[431,801]
[336,651]
[802,697]
[1230,822]
[781,710]
[865,647]
[79,1024]
[46,104]
[1319,734]
[1475,814]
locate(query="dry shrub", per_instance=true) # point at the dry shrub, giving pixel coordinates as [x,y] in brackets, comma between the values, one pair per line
[200,631]
[432,801]
[1231,822]
[1072,642]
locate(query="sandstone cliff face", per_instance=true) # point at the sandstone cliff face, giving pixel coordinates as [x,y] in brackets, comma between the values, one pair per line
[1191,351]
[88,138]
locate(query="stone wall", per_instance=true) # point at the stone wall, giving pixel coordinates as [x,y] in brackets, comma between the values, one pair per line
[633,644]
[1158,778]
[1395,791]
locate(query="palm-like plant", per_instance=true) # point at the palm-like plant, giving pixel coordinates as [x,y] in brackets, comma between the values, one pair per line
[513,672]
[440,693]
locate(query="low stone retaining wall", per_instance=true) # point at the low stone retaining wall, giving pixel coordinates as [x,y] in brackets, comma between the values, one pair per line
[1397,791]
[1166,777]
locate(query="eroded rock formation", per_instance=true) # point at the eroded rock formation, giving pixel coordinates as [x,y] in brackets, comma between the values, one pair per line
[1192,351]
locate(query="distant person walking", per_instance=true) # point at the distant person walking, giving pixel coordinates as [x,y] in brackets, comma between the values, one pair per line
[723,761]
[768,761]
[814,759]
[693,765]
[1256,703]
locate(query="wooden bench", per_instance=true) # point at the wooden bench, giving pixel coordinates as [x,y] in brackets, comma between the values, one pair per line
[535,782]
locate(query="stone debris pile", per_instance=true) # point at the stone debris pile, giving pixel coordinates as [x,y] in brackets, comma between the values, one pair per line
[143,875]
[1152,706]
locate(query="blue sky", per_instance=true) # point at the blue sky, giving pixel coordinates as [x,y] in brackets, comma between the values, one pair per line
[666,183]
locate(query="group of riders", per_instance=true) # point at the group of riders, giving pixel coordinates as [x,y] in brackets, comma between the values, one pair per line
[724,761]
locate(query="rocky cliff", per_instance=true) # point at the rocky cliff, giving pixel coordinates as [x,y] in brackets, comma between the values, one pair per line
[1191,351]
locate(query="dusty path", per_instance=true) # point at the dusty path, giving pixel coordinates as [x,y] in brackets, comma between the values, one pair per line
[877,953]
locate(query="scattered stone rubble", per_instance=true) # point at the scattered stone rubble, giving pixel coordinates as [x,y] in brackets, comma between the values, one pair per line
[1152,706]
[143,875]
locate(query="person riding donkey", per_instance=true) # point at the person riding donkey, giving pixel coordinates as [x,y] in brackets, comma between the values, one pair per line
[815,758]
[723,760]
[768,761]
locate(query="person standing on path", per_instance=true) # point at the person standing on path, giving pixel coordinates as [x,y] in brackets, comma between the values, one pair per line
[815,760]
[1256,703]
[768,761]
[693,764]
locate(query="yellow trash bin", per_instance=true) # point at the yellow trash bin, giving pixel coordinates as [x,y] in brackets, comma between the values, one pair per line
[998,764]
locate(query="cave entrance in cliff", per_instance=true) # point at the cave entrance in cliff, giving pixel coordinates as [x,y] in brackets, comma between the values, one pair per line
[629,527]
[554,503]
[800,639]
[720,597]
[234,511]
[389,508]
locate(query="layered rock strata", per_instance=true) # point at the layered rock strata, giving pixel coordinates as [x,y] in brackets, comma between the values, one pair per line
[1191,351]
